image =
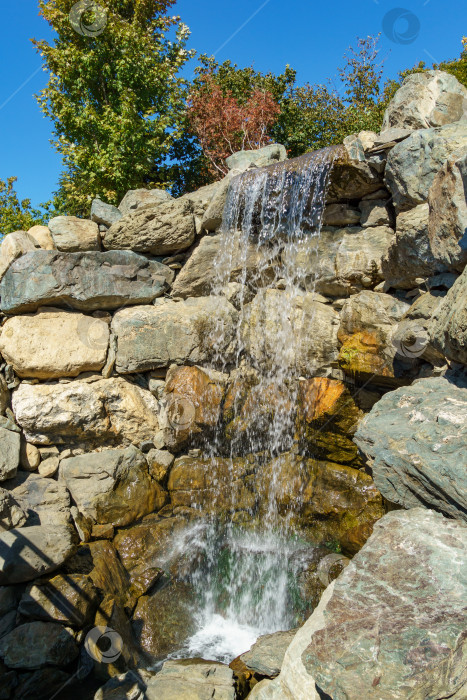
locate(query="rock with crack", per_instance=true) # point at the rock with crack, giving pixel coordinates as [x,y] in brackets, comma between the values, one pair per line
[195,679]
[72,235]
[267,653]
[45,501]
[414,439]
[448,326]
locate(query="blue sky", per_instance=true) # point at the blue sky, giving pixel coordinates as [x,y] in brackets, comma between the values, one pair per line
[310,35]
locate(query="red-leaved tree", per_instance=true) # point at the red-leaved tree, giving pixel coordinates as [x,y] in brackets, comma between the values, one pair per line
[223,125]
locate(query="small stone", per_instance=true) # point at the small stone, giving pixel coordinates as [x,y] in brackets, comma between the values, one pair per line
[48,467]
[159,462]
[30,457]
[10,443]
[105,214]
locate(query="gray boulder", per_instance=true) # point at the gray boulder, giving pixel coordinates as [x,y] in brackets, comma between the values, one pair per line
[84,281]
[105,214]
[268,155]
[267,653]
[164,227]
[447,227]
[409,256]
[37,644]
[10,442]
[194,680]
[112,487]
[413,164]
[340,215]
[45,501]
[73,235]
[429,99]
[401,597]
[174,332]
[135,199]
[29,552]
[414,439]
[448,327]
[212,218]
[374,212]
[11,513]
[353,175]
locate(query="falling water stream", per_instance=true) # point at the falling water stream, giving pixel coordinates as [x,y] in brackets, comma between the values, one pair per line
[246,584]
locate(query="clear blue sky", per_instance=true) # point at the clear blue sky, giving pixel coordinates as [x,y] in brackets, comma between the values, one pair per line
[310,35]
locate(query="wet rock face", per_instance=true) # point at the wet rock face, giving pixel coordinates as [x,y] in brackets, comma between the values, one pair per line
[414,439]
[400,595]
[84,281]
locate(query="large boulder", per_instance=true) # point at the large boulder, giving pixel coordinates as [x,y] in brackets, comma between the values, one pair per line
[447,226]
[340,262]
[72,235]
[413,164]
[429,99]
[352,175]
[43,237]
[267,654]
[84,281]
[89,412]
[448,326]
[164,227]
[54,343]
[112,487]
[135,199]
[66,598]
[268,155]
[196,330]
[305,339]
[29,552]
[105,214]
[10,442]
[414,439]
[197,275]
[409,256]
[13,246]
[195,679]
[367,325]
[37,644]
[401,595]
[45,501]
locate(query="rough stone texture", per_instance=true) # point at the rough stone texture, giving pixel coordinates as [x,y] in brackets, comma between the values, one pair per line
[172,332]
[14,246]
[69,599]
[53,343]
[409,256]
[340,215]
[108,574]
[164,620]
[11,513]
[259,158]
[212,217]
[415,441]
[4,395]
[84,281]
[29,552]
[193,679]
[267,653]
[149,544]
[312,323]
[403,595]
[37,644]
[197,275]
[30,457]
[413,163]
[72,235]
[134,199]
[368,322]
[374,213]
[448,327]
[41,684]
[9,453]
[45,501]
[447,226]
[126,686]
[105,214]
[159,463]
[110,411]
[165,227]
[340,262]
[112,487]
[294,682]
[352,176]
[424,100]
[43,237]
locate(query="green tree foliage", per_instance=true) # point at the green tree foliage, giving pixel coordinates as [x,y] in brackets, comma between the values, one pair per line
[16,215]
[115,99]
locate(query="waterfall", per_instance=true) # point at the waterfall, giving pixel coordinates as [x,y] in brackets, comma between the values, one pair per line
[247,583]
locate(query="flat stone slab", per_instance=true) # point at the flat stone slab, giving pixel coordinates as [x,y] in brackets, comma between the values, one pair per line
[395,624]
[193,679]
[86,281]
